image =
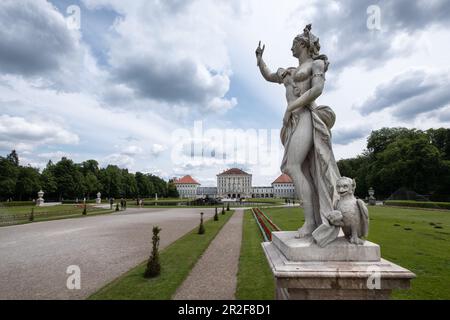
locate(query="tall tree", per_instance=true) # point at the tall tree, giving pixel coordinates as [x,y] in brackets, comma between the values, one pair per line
[48,181]
[111,180]
[440,138]
[172,191]
[414,164]
[67,177]
[8,178]
[28,183]
[91,183]
[13,157]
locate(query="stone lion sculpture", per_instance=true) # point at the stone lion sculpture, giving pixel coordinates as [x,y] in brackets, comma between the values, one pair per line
[349,213]
[355,216]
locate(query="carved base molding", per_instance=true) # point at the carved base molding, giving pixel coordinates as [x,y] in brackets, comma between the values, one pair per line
[333,280]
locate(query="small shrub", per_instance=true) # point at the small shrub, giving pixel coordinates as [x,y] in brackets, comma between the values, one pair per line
[32,215]
[117,207]
[223,210]
[228,206]
[216,216]
[201,228]
[153,266]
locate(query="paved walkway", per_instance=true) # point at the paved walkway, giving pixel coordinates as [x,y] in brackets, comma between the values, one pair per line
[34,257]
[214,277]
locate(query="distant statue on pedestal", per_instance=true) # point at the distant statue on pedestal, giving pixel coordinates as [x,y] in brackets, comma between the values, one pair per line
[99,198]
[40,200]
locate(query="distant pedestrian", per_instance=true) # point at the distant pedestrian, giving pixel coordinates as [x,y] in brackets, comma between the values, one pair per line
[121,203]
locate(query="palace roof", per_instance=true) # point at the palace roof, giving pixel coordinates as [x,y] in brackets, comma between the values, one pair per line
[233,171]
[284,178]
[186,180]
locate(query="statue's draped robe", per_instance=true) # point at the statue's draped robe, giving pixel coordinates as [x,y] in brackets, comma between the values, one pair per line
[320,160]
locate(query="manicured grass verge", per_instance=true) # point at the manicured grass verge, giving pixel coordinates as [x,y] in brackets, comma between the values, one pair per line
[255,280]
[415,239]
[177,260]
[21,215]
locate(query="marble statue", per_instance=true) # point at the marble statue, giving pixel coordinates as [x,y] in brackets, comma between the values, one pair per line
[306,136]
[329,247]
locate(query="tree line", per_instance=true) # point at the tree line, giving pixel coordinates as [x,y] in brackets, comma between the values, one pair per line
[399,159]
[68,180]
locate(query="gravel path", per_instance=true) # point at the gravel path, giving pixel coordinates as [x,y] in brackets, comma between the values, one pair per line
[34,257]
[214,277]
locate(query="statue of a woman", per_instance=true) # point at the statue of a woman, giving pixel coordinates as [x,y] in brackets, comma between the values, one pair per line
[306,136]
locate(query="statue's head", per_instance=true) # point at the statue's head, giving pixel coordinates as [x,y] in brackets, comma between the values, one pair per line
[306,41]
[345,186]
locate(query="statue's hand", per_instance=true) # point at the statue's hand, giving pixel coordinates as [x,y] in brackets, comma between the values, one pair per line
[259,52]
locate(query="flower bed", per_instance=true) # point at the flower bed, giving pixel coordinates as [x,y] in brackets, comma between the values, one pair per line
[266,225]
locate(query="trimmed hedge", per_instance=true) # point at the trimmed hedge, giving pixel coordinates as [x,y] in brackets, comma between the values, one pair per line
[17,204]
[80,201]
[418,204]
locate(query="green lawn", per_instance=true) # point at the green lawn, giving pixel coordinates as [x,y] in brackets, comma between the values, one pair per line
[177,260]
[20,215]
[418,240]
[255,280]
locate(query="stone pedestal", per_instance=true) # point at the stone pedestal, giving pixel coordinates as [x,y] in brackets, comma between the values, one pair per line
[304,271]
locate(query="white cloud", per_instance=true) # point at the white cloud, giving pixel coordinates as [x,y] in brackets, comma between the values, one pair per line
[132,150]
[163,62]
[157,149]
[121,160]
[23,134]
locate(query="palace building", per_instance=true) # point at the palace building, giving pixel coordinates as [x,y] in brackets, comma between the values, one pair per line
[235,183]
[186,187]
[283,187]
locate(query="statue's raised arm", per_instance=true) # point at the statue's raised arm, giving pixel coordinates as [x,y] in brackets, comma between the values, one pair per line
[265,71]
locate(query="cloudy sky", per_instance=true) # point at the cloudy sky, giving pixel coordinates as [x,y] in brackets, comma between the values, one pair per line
[140,76]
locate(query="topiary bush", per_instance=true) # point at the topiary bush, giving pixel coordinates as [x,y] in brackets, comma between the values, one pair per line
[201,228]
[153,265]
[228,206]
[216,216]
[223,210]
[32,215]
